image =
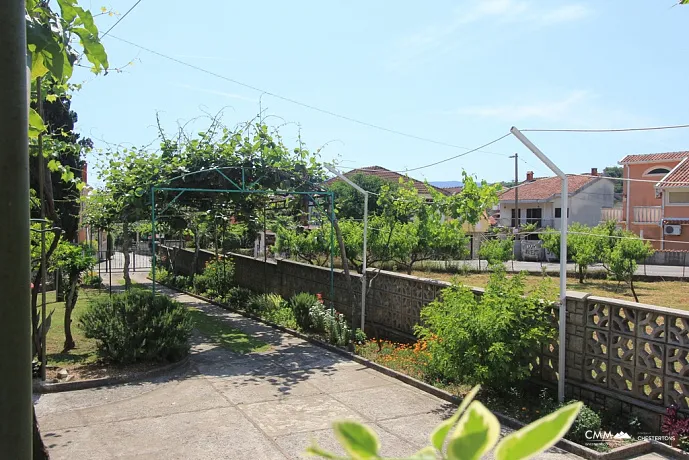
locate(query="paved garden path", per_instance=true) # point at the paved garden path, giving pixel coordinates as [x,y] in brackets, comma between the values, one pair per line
[267,405]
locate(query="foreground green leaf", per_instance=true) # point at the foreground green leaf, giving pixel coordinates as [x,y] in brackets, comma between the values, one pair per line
[357,439]
[477,432]
[441,431]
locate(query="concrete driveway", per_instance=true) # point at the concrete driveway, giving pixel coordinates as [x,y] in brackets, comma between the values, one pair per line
[267,405]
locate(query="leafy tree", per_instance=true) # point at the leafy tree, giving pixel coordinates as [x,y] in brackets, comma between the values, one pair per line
[349,203]
[622,260]
[615,171]
[584,245]
[73,260]
[497,250]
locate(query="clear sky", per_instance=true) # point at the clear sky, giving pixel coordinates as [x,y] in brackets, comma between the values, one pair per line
[458,72]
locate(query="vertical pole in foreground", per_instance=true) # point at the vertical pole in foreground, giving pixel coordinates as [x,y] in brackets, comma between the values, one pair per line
[15,271]
[563,258]
[153,238]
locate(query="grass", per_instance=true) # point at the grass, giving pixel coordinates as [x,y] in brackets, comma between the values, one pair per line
[85,351]
[228,337]
[673,294]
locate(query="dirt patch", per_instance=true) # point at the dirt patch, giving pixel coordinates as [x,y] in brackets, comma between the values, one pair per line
[94,371]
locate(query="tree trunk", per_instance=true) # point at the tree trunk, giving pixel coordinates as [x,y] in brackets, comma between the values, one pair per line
[345,268]
[70,302]
[126,242]
[35,316]
[581,274]
[39,450]
[631,286]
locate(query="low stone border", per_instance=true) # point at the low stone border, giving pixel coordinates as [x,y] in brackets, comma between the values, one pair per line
[41,387]
[619,453]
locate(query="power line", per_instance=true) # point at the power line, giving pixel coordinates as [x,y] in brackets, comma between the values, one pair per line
[618,130]
[294,101]
[121,18]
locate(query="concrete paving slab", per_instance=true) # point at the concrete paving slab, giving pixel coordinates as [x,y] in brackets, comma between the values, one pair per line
[345,378]
[298,414]
[293,445]
[261,388]
[209,434]
[393,401]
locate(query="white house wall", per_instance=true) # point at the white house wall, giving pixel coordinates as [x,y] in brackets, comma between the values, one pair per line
[585,206]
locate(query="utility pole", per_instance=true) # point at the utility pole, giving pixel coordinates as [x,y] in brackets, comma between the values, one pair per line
[16,428]
[516,189]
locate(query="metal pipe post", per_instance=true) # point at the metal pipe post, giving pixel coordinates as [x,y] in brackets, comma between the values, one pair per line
[15,270]
[563,257]
[363,265]
[563,290]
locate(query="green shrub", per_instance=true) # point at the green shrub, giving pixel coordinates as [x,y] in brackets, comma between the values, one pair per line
[318,317]
[137,326]
[283,316]
[491,339]
[588,419]
[301,304]
[92,280]
[261,304]
[163,276]
[334,326]
[217,278]
[238,297]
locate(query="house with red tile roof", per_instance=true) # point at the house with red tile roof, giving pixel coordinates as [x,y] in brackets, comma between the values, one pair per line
[655,202]
[540,200]
[391,176]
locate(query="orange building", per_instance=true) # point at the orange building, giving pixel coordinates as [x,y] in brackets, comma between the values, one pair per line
[655,202]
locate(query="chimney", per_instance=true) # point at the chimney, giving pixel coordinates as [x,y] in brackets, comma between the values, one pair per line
[529,176]
[594,171]
[84,173]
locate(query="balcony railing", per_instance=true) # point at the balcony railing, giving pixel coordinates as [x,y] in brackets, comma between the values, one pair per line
[614,214]
[648,214]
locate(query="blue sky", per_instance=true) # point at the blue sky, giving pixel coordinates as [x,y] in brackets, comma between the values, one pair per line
[456,72]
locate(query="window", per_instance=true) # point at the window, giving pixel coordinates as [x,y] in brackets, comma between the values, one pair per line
[514,222]
[678,197]
[657,171]
[558,213]
[533,216]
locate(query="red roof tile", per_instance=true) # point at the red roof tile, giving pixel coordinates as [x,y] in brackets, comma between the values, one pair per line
[547,188]
[452,190]
[651,157]
[678,177]
[390,176]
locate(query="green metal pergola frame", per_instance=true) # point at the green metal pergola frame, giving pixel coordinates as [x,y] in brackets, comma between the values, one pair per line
[244,188]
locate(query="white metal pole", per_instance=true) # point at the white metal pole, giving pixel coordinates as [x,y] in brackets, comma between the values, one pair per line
[363,269]
[563,257]
[563,289]
[364,192]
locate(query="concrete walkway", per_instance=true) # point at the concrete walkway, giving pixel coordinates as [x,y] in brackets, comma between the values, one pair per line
[267,405]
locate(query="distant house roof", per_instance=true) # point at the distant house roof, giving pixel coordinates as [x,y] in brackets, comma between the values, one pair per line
[390,176]
[452,190]
[546,188]
[653,157]
[678,177]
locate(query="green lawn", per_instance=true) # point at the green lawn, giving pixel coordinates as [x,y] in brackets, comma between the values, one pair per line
[228,337]
[672,294]
[85,352]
